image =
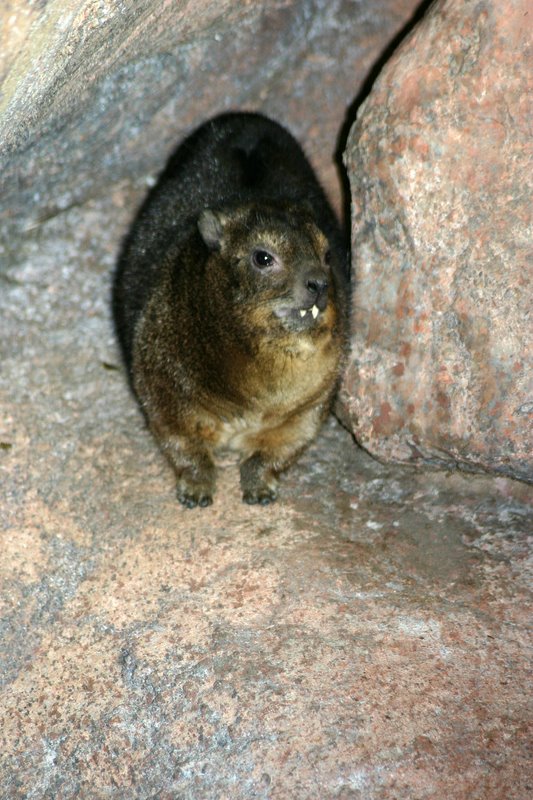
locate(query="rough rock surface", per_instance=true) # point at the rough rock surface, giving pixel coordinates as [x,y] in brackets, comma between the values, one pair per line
[441,173]
[364,638]
[93,92]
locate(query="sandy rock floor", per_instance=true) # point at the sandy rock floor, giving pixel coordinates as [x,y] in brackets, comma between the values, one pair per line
[366,637]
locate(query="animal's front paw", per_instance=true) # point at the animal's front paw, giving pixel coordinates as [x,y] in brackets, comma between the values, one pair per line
[193,500]
[263,496]
[192,493]
[258,482]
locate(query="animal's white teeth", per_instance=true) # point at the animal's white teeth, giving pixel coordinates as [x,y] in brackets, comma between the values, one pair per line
[303,312]
[314,312]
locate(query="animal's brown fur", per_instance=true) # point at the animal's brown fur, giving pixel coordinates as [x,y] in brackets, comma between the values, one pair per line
[220,357]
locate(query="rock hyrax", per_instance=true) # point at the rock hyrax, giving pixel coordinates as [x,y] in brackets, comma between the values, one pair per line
[229,303]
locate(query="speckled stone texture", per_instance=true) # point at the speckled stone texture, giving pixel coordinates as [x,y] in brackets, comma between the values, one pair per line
[441,173]
[363,639]
[94,91]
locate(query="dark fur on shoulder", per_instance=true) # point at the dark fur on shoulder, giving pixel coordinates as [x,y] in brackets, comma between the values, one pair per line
[230,305]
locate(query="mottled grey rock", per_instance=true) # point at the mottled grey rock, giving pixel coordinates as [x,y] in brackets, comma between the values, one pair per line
[366,637]
[440,166]
[97,92]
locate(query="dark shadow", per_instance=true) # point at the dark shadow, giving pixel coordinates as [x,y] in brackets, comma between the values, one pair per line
[351,112]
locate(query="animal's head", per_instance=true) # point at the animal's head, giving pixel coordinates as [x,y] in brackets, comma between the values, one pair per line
[276,261]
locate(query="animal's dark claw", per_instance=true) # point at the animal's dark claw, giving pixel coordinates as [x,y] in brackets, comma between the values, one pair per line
[262,497]
[193,500]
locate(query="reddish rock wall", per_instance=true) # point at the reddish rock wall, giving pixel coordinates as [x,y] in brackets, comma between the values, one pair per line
[440,167]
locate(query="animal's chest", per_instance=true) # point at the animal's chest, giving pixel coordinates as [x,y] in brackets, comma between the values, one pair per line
[236,438]
[276,412]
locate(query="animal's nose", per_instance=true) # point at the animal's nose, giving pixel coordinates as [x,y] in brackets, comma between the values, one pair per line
[317,287]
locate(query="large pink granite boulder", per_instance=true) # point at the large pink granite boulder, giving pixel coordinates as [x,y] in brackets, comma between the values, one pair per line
[439,161]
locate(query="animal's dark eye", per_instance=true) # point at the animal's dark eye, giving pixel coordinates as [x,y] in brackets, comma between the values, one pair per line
[262,259]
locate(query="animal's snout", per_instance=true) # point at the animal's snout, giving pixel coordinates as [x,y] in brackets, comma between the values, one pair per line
[316,284]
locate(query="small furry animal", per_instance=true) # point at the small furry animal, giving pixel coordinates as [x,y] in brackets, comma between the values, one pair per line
[229,302]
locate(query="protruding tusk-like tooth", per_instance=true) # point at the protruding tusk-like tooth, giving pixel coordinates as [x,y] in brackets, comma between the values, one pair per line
[314,312]
[303,312]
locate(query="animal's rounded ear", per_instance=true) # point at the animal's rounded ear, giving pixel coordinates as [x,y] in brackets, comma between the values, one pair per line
[211,227]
